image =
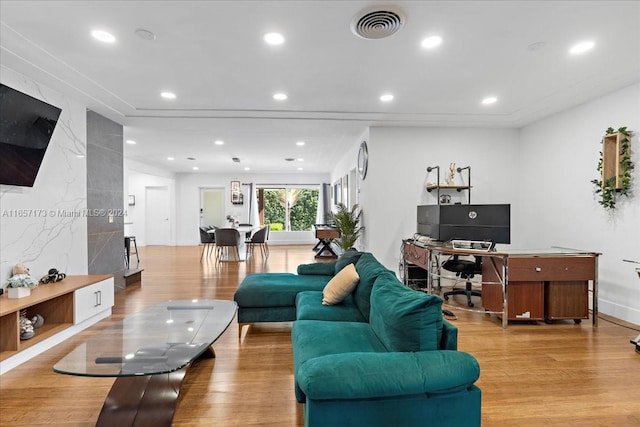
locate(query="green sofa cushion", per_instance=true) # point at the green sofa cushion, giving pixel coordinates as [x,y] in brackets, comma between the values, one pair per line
[404,319]
[314,338]
[318,268]
[309,307]
[351,256]
[377,375]
[368,268]
[276,289]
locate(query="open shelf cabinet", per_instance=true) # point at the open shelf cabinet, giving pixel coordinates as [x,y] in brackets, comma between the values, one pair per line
[612,169]
[58,305]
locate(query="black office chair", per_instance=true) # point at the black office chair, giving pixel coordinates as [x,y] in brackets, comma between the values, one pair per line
[465,269]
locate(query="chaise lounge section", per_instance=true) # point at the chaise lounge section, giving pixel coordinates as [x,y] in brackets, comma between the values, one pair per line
[383,356]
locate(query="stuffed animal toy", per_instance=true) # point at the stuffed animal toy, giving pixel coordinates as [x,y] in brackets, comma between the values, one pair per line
[21,278]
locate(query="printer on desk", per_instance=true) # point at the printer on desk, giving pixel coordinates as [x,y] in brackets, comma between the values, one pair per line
[490,223]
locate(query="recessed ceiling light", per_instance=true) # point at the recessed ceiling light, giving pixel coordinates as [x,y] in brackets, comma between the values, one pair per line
[280,96]
[170,158]
[431,42]
[386,97]
[247,168]
[131,142]
[300,159]
[103,36]
[489,100]
[218,142]
[300,169]
[581,47]
[300,143]
[195,168]
[80,156]
[274,38]
[168,95]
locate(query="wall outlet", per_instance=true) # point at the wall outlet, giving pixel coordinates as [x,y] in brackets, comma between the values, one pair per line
[110,219]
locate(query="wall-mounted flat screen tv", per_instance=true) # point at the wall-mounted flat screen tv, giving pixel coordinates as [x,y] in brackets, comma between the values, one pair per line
[26,126]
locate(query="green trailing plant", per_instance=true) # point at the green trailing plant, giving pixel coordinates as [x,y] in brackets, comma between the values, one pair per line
[347,221]
[606,189]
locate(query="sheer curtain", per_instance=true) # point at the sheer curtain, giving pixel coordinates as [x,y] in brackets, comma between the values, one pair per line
[254,215]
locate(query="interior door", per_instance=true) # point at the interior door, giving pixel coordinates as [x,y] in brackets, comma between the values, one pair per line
[158,231]
[212,207]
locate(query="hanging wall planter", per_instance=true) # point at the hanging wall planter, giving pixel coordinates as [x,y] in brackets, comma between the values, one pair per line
[615,167]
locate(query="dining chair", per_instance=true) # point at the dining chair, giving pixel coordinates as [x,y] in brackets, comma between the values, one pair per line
[227,238]
[259,238]
[208,241]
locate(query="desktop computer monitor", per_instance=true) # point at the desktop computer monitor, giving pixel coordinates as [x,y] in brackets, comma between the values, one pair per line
[465,222]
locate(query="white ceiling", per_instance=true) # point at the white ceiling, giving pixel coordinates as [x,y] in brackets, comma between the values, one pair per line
[211,54]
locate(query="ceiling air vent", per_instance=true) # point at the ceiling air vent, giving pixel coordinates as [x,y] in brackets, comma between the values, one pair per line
[377,23]
[236,159]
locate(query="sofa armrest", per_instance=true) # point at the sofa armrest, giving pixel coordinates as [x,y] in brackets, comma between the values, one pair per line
[318,268]
[449,339]
[369,375]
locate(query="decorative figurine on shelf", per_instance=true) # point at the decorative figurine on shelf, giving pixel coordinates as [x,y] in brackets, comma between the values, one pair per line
[21,278]
[52,276]
[452,174]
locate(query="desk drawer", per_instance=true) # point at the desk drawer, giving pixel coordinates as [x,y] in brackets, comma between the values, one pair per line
[416,255]
[551,268]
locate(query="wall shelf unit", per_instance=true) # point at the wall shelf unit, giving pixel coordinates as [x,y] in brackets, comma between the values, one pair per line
[438,186]
[612,168]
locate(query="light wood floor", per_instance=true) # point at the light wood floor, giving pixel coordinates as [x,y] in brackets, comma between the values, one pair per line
[531,375]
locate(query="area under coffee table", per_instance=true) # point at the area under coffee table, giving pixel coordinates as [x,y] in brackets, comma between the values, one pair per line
[149,353]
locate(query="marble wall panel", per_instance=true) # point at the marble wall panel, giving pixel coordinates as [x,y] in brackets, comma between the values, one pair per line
[45,226]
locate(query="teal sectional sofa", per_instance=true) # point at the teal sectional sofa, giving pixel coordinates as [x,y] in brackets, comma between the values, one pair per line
[383,357]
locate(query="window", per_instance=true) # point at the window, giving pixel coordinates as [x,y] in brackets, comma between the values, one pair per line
[288,208]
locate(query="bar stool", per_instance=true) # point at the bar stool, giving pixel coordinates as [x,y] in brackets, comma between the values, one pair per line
[128,252]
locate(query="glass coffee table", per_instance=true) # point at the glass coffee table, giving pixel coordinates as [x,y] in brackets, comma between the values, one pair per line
[149,353]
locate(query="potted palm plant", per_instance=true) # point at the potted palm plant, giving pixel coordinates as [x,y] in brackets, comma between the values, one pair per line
[347,221]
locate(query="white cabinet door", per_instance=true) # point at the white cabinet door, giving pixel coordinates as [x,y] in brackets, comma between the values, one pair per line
[92,299]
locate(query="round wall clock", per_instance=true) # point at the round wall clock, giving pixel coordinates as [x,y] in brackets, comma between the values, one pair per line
[363,159]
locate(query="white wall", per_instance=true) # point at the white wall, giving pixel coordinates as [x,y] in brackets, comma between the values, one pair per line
[47,237]
[397,177]
[138,177]
[188,202]
[558,160]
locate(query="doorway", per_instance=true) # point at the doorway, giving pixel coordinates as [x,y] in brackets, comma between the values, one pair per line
[158,230]
[212,207]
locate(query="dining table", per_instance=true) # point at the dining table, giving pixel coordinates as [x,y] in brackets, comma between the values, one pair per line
[245,230]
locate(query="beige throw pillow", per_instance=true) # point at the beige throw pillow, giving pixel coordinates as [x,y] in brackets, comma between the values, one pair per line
[340,285]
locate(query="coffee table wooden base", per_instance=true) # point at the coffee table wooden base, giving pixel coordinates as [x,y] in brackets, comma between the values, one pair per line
[146,400]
